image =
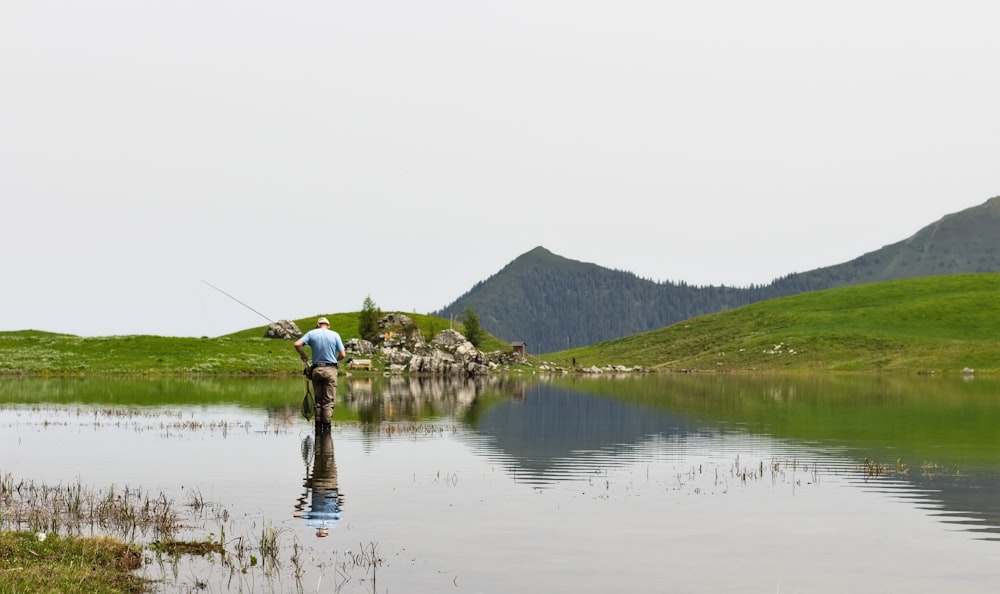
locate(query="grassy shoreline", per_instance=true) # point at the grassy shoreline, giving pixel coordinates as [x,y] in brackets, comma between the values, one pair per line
[31,562]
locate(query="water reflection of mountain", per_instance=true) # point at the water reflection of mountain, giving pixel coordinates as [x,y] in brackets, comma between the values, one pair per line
[970,501]
[539,434]
[553,433]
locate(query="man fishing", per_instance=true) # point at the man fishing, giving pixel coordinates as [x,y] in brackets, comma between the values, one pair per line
[327,349]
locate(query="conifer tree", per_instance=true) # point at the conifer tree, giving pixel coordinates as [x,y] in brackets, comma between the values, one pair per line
[473,332]
[368,320]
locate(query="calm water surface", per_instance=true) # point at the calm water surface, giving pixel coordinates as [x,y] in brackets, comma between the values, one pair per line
[655,484]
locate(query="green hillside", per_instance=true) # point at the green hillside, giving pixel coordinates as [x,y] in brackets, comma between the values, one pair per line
[932,324]
[244,352]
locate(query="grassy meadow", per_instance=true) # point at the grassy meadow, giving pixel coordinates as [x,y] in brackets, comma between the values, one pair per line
[926,325]
[246,352]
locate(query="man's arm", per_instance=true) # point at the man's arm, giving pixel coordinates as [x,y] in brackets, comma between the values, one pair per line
[302,352]
[341,349]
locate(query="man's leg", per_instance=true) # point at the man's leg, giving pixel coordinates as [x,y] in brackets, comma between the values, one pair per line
[325,388]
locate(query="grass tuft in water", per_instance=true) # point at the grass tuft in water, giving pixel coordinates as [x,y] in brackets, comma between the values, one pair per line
[31,562]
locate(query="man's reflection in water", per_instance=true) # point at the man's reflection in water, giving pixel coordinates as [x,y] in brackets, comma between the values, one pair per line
[321,502]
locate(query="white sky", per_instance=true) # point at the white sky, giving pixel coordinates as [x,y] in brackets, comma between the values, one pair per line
[303,155]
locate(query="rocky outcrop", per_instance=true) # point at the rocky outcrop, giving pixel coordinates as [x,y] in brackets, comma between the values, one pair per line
[448,338]
[283,329]
[434,362]
[399,331]
[402,348]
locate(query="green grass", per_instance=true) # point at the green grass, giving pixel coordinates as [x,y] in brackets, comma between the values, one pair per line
[245,353]
[63,564]
[934,324]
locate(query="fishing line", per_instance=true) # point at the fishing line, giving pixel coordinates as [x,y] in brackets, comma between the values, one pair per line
[237,301]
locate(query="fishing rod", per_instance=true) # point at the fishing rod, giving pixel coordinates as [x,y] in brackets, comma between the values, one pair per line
[237,301]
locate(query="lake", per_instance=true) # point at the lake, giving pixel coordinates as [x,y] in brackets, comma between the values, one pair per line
[661,483]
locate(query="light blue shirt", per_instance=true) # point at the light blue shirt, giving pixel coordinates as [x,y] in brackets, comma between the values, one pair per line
[325,345]
[325,510]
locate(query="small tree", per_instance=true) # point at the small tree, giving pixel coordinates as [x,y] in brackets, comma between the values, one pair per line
[368,320]
[473,332]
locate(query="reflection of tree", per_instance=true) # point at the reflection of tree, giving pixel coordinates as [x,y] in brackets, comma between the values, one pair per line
[321,502]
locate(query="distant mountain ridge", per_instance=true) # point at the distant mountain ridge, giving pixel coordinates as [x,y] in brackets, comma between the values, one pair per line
[553,303]
[967,241]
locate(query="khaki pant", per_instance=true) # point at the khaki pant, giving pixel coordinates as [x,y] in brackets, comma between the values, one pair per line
[324,380]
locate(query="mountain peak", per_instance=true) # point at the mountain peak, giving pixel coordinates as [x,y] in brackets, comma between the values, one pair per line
[539,253]
[554,303]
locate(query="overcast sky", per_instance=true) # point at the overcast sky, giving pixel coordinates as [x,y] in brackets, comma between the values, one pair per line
[303,155]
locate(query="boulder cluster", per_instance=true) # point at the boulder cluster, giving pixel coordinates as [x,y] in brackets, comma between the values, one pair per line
[283,329]
[402,348]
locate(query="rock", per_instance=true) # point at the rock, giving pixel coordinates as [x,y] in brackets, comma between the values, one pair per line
[466,352]
[397,330]
[283,329]
[473,368]
[448,338]
[434,362]
[497,358]
[399,356]
[359,346]
[394,321]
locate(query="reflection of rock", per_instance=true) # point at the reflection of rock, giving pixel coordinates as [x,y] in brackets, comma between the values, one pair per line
[401,397]
[357,388]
